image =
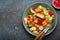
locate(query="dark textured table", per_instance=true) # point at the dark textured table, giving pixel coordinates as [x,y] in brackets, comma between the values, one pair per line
[11,27]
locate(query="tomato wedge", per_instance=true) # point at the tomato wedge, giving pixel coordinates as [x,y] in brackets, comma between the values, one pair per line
[28,18]
[50,13]
[39,22]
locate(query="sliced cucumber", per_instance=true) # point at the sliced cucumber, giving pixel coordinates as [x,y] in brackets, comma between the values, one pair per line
[48,10]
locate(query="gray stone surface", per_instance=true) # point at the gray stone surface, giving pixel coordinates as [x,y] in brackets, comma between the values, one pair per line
[11,27]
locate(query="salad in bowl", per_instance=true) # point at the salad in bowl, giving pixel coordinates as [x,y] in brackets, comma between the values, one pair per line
[36,19]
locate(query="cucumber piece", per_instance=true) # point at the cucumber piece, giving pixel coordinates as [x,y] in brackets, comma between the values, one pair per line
[48,10]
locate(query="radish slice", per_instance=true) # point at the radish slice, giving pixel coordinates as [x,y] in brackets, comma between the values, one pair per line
[41,28]
[32,10]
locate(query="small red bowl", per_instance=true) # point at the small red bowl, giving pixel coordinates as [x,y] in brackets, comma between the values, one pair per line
[55,5]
